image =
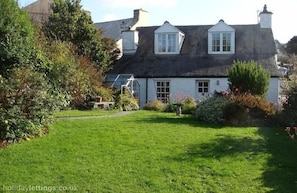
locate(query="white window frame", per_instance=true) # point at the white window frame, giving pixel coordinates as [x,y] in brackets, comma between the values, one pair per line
[163,90]
[217,46]
[166,43]
[201,89]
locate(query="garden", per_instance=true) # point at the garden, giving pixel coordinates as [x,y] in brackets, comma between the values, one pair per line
[150,151]
[50,141]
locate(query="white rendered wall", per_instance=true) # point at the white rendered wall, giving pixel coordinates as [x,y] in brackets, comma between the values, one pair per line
[188,87]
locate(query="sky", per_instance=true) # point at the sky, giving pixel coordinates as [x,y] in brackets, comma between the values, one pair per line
[198,12]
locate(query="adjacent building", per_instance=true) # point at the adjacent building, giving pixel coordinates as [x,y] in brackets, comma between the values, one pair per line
[114,29]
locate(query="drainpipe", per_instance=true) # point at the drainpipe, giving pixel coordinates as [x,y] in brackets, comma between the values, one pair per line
[146,90]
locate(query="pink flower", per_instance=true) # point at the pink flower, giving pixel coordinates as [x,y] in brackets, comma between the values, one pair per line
[288,129]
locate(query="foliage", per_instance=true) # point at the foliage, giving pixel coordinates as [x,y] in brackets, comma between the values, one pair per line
[128,102]
[243,108]
[105,93]
[68,22]
[16,37]
[155,105]
[291,47]
[73,75]
[125,101]
[292,132]
[27,102]
[212,110]
[189,106]
[248,77]
[238,109]
[289,113]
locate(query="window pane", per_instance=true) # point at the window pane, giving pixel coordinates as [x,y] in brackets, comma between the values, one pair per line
[226,42]
[216,42]
[162,42]
[203,86]
[163,91]
[171,42]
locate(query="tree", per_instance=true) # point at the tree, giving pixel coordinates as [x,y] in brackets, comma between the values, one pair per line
[291,46]
[16,36]
[69,22]
[248,77]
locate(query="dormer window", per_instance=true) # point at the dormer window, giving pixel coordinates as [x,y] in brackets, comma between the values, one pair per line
[167,43]
[168,39]
[221,39]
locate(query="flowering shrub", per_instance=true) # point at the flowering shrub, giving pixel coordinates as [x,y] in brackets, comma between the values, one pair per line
[256,106]
[234,109]
[180,98]
[292,132]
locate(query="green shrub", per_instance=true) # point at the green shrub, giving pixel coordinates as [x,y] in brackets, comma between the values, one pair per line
[27,103]
[189,106]
[105,93]
[248,77]
[169,107]
[155,105]
[212,110]
[128,103]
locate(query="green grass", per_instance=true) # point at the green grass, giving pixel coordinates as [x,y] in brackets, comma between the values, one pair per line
[78,113]
[151,152]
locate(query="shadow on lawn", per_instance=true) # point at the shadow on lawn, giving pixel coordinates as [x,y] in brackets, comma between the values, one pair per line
[280,170]
[223,146]
[281,174]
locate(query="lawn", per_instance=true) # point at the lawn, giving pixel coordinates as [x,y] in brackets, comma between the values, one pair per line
[151,152]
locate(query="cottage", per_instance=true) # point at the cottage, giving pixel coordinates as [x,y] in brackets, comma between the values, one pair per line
[194,60]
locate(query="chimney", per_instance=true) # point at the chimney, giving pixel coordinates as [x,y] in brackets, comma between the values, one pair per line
[265,18]
[140,18]
[130,41]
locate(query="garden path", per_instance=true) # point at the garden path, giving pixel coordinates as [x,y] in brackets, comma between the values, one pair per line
[118,114]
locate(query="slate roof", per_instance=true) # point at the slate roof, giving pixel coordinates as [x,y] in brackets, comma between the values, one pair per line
[251,43]
[113,29]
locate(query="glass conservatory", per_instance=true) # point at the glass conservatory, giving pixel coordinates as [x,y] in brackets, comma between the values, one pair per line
[125,82]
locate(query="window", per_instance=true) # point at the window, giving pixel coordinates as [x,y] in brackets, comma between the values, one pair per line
[163,90]
[221,42]
[167,43]
[221,39]
[203,86]
[168,39]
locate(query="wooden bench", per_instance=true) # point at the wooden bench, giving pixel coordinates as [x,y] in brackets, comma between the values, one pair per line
[102,105]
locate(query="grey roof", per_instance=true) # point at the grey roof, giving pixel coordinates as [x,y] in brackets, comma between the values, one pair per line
[113,29]
[251,43]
